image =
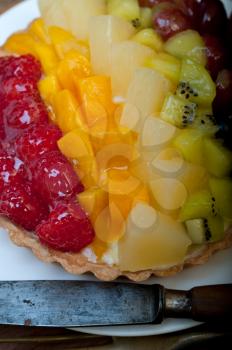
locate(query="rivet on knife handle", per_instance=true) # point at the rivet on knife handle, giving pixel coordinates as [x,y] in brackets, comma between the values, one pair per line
[206,303]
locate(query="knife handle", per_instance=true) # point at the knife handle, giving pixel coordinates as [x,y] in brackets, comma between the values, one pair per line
[206,303]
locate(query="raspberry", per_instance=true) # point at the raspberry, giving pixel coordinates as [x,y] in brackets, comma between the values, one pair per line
[20,114]
[23,66]
[15,88]
[11,170]
[54,177]
[19,204]
[36,141]
[67,229]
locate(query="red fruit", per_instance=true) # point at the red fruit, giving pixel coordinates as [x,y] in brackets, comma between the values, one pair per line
[222,103]
[68,228]
[216,55]
[214,18]
[169,20]
[19,204]
[54,177]
[11,170]
[23,66]
[150,3]
[192,8]
[20,114]
[36,141]
[15,88]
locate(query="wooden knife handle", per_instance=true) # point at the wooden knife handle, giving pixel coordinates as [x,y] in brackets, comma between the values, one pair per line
[206,303]
[211,302]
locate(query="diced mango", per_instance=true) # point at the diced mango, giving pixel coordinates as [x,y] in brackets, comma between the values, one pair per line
[93,202]
[21,43]
[39,31]
[99,247]
[47,57]
[76,145]
[48,87]
[96,99]
[73,64]
[68,113]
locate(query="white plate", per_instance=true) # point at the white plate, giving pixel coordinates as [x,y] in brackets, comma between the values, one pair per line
[20,264]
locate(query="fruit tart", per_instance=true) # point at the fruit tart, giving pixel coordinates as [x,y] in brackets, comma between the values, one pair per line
[115,135]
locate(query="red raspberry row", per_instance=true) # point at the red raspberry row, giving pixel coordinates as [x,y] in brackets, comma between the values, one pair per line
[38,184]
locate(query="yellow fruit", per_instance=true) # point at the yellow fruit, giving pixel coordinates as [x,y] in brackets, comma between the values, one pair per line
[141,101]
[105,31]
[53,13]
[152,240]
[127,56]
[21,43]
[48,87]
[167,65]
[76,146]
[93,201]
[68,113]
[47,57]
[150,38]
[73,65]
[39,31]
[63,42]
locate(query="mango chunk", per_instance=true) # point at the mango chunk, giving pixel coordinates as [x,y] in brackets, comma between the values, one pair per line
[48,87]
[21,43]
[39,31]
[94,201]
[76,145]
[47,57]
[68,113]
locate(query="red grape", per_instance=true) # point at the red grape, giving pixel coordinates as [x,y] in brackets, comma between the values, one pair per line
[214,18]
[150,3]
[169,20]
[216,55]
[222,104]
[192,8]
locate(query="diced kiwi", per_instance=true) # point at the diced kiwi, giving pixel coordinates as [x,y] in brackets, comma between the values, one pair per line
[188,43]
[150,38]
[145,17]
[167,65]
[222,191]
[205,122]
[178,112]
[196,84]
[218,159]
[199,205]
[210,229]
[190,142]
[126,9]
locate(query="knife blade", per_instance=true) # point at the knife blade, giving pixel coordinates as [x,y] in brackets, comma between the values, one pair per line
[79,303]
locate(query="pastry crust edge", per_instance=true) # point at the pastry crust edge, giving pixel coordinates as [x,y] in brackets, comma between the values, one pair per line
[78,264]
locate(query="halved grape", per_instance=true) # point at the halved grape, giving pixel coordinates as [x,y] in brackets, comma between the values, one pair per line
[214,18]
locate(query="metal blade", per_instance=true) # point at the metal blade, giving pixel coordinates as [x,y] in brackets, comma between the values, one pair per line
[77,303]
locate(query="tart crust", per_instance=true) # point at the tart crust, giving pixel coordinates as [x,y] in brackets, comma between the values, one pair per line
[76,263]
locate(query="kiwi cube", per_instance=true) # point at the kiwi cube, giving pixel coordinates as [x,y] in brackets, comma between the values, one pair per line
[203,230]
[196,84]
[198,205]
[218,159]
[190,142]
[196,230]
[205,122]
[222,192]
[178,112]
[126,9]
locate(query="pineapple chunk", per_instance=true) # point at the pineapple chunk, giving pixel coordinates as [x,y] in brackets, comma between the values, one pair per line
[141,101]
[165,236]
[105,31]
[168,161]
[188,43]
[127,56]
[53,13]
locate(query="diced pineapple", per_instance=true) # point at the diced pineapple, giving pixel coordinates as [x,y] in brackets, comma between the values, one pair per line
[150,38]
[53,13]
[126,9]
[169,193]
[167,65]
[143,101]
[188,43]
[79,14]
[168,162]
[127,56]
[105,31]
[136,248]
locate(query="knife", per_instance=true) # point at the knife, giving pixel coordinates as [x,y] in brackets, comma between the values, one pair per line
[79,303]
